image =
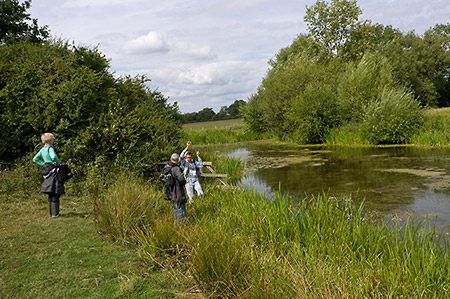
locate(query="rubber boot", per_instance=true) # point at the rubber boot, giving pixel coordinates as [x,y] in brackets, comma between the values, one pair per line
[55,209]
[50,208]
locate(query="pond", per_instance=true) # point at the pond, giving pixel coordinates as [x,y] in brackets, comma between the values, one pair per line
[396,182]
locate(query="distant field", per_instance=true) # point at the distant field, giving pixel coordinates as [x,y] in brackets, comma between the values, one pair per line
[439,111]
[217,124]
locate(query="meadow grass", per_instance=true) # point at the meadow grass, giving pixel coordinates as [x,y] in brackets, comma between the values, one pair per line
[216,124]
[221,131]
[436,130]
[66,257]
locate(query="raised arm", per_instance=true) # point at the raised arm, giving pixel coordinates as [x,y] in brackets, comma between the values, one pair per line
[199,160]
[188,144]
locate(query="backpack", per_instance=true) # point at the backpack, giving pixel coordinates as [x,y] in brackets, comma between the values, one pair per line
[64,173]
[168,181]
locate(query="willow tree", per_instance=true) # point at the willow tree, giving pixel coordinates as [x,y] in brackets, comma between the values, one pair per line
[331,25]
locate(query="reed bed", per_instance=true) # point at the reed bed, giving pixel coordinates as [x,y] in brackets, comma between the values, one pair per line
[436,130]
[218,136]
[237,243]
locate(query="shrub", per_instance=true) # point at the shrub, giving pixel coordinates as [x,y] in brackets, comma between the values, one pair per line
[314,113]
[268,109]
[393,119]
[96,118]
[362,84]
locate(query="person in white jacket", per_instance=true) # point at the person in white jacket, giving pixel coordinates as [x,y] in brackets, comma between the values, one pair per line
[192,170]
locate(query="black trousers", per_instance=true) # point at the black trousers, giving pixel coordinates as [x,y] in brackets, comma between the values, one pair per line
[53,197]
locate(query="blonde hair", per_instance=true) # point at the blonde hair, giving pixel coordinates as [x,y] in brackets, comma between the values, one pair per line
[47,137]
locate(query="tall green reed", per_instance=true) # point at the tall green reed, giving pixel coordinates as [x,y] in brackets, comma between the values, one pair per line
[238,243]
[436,130]
[222,135]
[233,167]
[346,135]
[128,203]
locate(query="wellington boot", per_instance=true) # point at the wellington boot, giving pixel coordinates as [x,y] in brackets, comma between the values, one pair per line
[50,208]
[55,209]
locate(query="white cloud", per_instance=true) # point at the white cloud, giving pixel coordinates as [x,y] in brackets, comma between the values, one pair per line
[86,3]
[217,73]
[206,53]
[194,50]
[216,100]
[246,3]
[150,43]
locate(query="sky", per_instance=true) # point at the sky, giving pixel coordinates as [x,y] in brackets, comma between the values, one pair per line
[206,53]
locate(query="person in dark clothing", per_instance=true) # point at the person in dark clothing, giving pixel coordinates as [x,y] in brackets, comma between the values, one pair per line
[51,186]
[177,194]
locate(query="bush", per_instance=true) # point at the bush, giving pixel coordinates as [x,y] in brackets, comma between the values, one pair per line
[268,109]
[314,113]
[393,119]
[96,118]
[362,84]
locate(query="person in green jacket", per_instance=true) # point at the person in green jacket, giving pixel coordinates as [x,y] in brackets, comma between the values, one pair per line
[51,186]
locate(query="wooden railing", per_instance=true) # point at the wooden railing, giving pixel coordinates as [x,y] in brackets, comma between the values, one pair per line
[211,174]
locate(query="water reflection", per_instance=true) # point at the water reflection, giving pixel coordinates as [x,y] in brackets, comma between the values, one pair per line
[393,181]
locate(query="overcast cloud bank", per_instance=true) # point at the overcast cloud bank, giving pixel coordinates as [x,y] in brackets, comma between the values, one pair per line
[206,53]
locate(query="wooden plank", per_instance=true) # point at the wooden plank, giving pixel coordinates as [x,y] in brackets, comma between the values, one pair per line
[214,175]
[213,172]
[204,163]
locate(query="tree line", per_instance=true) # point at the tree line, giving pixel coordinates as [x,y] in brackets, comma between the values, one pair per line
[347,72]
[208,114]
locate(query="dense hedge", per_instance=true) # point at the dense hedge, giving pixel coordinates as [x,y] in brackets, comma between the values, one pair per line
[67,90]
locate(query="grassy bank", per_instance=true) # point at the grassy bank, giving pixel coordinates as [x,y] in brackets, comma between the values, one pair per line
[434,132]
[236,243]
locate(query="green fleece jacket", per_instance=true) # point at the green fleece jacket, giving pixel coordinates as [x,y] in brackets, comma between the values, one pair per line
[46,155]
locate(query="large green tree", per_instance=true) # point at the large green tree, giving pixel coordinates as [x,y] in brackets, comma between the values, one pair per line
[16,23]
[331,25]
[422,63]
[51,86]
